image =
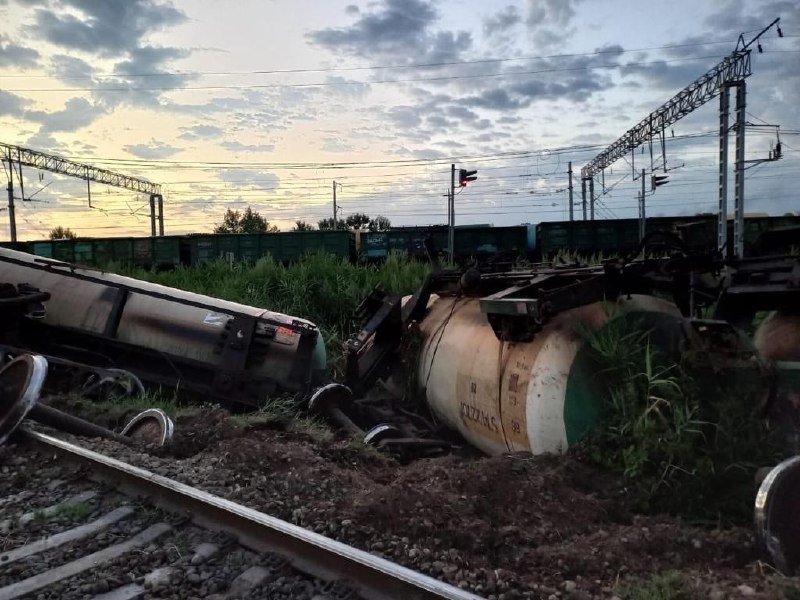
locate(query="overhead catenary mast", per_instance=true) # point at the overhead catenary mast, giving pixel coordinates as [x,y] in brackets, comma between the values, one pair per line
[729,73]
[16,155]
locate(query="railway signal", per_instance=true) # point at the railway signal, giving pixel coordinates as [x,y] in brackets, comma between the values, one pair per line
[464,176]
[657,180]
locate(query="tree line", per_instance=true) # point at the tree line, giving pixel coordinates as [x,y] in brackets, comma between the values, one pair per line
[250,221]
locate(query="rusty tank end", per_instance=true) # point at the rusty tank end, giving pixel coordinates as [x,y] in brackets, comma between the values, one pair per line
[778,337]
[539,396]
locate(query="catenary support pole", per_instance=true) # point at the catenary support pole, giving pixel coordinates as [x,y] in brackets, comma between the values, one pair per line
[334,205]
[642,214]
[738,192]
[571,208]
[160,214]
[583,196]
[722,212]
[451,226]
[591,197]
[152,215]
[12,218]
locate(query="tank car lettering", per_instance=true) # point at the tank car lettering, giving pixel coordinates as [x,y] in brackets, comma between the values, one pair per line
[476,415]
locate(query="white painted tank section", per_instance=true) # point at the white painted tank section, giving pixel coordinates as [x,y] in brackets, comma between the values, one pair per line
[503,396]
[156,323]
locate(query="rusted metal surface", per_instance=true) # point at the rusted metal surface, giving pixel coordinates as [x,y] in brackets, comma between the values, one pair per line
[374,577]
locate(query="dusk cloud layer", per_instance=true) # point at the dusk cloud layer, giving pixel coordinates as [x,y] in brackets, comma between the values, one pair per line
[267,103]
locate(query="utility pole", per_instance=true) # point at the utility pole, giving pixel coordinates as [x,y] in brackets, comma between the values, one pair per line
[591,197]
[160,199]
[12,221]
[153,215]
[452,214]
[642,215]
[583,196]
[722,214]
[738,182]
[334,205]
[570,192]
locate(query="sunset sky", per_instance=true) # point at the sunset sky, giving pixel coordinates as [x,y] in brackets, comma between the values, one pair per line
[234,103]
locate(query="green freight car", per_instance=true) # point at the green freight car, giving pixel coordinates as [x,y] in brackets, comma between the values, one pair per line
[282,246]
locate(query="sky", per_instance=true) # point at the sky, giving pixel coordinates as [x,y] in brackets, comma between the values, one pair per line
[267,103]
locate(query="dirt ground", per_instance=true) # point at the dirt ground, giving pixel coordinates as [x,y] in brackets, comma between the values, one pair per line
[503,527]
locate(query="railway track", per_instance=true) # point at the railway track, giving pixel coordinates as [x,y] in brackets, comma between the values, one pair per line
[104,529]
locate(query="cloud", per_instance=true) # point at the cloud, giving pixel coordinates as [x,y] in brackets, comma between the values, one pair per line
[11,105]
[502,21]
[239,147]
[202,131]
[405,117]
[153,150]
[395,28]
[548,21]
[250,179]
[336,145]
[461,112]
[14,55]
[495,99]
[68,68]
[77,113]
[107,28]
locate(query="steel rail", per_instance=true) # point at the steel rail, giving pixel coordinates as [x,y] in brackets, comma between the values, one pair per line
[373,577]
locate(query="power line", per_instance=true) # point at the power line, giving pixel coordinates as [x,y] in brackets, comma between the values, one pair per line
[613,51]
[367,82]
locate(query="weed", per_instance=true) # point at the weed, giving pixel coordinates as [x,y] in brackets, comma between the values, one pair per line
[74,512]
[275,409]
[686,439]
[669,585]
[316,430]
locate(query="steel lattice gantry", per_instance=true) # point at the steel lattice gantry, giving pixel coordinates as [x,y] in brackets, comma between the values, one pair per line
[63,166]
[730,72]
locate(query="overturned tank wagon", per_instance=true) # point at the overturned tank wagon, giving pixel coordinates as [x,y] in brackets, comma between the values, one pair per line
[538,396]
[227,352]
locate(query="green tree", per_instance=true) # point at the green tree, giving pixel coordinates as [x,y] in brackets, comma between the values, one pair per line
[328,224]
[248,222]
[379,223]
[62,233]
[357,221]
[302,226]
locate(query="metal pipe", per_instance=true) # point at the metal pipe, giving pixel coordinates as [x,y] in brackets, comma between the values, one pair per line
[52,417]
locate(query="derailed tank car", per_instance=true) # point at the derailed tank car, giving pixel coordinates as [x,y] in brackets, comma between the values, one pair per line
[226,351]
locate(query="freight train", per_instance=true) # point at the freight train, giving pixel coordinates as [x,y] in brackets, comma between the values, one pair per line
[535,242]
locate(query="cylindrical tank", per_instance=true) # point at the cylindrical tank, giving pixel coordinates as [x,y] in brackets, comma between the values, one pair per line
[539,396]
[166,324]
[778,337]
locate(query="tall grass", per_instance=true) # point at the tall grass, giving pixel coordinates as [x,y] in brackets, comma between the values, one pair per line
[685,434]
[319,287]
